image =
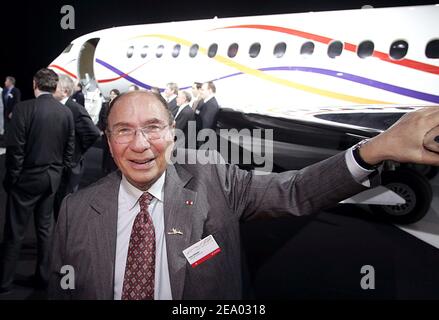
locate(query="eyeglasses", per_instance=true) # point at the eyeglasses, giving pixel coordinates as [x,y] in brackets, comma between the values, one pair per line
[123,135]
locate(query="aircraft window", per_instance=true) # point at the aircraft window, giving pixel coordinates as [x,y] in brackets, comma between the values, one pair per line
[69,47]
[279,49]
[307,48]
[160,50]
[233,50]
[130,51]
[335,49]
[193,51]
[254,50]
[143,54]
[398,49]
[365,49]
[432,49]
[176,50]
[212,50]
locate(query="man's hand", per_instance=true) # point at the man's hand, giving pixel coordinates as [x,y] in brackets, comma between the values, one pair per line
[410,139]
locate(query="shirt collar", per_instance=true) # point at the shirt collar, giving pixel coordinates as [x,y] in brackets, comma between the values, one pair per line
[133,194]
[63,101]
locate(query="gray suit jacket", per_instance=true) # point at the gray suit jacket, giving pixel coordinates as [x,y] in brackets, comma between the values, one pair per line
[222,195]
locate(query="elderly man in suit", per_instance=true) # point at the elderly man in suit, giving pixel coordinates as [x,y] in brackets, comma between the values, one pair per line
[39,146]
[132,234]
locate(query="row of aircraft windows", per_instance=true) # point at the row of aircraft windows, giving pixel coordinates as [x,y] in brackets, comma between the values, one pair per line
[398,49]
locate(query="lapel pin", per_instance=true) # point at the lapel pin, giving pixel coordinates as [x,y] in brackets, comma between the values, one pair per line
[175,231]
[189,202]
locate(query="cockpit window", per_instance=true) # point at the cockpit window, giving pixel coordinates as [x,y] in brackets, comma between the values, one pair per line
[69,47]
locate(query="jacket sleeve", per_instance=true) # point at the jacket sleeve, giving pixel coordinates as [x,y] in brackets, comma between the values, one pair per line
[15,145]
[87,131]
[70,142]
[302,192]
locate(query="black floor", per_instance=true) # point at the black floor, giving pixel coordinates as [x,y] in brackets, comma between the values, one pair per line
[306,257]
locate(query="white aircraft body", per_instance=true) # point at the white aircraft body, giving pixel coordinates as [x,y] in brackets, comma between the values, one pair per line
[274,63]
[288,66]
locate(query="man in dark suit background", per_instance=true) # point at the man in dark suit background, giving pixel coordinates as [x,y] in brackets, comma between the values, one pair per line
[86,134]
[39,145]
[170,94]
[184,118]
[11,96]
[185,112]
[207,110]
[130,238]
[78,96]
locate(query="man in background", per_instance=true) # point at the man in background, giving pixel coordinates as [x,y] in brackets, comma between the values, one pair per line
[10,96]
[78,95]
[86,134]
[39,146]
[170,94]
[207,111]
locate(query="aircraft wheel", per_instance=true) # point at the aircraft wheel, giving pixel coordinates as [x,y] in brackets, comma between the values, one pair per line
[414,188]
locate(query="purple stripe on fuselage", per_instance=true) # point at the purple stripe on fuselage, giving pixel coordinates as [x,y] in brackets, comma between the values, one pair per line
[337,74]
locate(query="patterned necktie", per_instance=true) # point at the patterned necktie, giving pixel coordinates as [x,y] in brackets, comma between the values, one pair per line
[138,283]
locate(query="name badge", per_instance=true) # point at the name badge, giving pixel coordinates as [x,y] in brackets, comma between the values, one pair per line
[201,251]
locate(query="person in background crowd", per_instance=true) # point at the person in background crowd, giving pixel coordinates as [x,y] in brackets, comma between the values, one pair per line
[86,134]
[78,95]
[155,90]
[39,147]
[10,96]
[207,111]
[196,97]
[108,164]
[170,95]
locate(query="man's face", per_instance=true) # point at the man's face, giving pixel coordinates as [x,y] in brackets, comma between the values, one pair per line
[181,98]
[168,92]
[113,95]
[8,83]
[59,94]
[142,161]
[204,91]
[195,91]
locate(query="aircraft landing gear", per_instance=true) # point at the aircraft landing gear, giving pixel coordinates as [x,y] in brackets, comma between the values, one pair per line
[414,188]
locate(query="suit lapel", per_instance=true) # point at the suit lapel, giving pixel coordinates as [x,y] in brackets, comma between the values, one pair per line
[182,213]
[103,230]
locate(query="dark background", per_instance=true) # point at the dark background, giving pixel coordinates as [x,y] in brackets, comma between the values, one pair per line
[32,36]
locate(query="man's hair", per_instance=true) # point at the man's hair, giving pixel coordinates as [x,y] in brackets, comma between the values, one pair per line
[11,79]
[198,85]
[211,86]
[79,84]
[159,97]
[67,84]
[46,80]
[117,92]
[187,96]
[173,86]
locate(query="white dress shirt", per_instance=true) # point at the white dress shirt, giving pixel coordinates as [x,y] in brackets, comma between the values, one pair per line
[128,208]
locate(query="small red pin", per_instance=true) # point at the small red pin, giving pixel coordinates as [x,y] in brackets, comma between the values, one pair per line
[189,202]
